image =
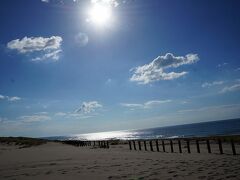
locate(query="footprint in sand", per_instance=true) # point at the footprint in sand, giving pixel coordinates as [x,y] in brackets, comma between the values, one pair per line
[52,164]
[48,172]
[201,177]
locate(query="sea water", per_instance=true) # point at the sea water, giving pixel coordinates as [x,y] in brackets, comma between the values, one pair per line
[223,127]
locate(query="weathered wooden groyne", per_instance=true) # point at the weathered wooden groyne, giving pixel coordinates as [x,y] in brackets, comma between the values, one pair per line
[174,145]
[101,144]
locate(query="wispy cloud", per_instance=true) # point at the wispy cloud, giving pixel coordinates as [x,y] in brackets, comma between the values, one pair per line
[60,114]
[48,48]
[88,107]
[81,39]
[235,87]
[2,119]
[10,98]
[34,118]
[113,3]
[108,81]
[210,84]
[212,108]
[73,115]
[146,105]
[222,65]
[155,70]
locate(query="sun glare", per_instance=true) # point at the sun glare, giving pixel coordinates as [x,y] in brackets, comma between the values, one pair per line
[100,14]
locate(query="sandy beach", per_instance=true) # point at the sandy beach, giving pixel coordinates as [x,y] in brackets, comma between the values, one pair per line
[60,161]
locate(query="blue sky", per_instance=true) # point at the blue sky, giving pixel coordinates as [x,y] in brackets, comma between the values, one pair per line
[70,67]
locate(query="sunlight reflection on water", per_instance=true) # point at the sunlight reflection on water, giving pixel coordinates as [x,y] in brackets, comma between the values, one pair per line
[107,135]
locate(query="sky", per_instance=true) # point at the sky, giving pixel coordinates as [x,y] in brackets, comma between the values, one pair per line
[82,66]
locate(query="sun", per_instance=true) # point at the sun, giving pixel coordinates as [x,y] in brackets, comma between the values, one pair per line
[100,14]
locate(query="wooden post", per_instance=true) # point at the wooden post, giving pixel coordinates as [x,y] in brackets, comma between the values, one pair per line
[179,146]
[198,148]
[220,146]
[93,143]
[145,145]
[139,145]
[171,144]
[163,146]
[107,144]
[233,147]
[104,144]
[208,146]
[157,145]
[134,145]
[99,143]
[188,146]
[151,147]
[130,145]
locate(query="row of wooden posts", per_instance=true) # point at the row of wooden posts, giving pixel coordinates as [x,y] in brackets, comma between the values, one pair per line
[132,145]
[102,144]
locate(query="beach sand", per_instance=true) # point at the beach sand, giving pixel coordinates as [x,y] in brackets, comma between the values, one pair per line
[60,161]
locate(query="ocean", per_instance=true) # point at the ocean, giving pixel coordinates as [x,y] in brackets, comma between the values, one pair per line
[223,127]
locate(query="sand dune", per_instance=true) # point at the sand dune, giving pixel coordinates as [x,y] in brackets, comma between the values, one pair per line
[60,161]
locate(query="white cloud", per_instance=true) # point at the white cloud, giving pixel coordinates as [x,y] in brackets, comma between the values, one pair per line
[34,118]
[9,98]
[154,103]
[3,120]
[32,44]
[219,108]
[146,105]
[81,39]
[113,3]
[73,115]
[45,1]
[54,55]
[214,83]
[14,98]
[222,65]
[79,116]
[49,48]
[60,114]
[2,97]
[109,81]
[88,107]
[132,105]
[154,71]
[235,87]
[238,69]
